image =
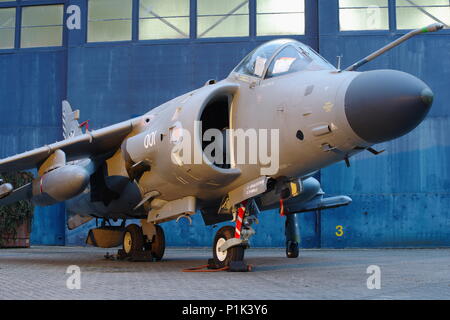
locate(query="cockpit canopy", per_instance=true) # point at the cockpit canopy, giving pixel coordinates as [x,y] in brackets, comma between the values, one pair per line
[279,57]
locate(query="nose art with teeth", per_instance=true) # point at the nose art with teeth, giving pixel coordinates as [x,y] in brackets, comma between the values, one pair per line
[385,104]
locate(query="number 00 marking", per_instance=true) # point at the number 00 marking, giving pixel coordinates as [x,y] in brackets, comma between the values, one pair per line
[150,140]
[340,231]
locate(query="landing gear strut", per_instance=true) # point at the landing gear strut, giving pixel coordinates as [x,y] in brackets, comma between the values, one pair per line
[140,244]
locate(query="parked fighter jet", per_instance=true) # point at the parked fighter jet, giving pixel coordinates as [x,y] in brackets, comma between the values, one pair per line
[208,150]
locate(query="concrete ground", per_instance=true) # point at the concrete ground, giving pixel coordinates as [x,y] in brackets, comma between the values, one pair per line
[40,273]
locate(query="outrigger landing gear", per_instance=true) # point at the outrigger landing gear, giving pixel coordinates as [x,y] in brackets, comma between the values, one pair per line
[292,236]
[145,243]
[230,243]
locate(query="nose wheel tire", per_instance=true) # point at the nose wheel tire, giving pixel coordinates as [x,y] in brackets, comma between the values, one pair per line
[133,240]
[223,259]
[292,249]
[158,245]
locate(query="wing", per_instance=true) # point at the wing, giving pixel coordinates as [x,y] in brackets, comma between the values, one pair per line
[87,145]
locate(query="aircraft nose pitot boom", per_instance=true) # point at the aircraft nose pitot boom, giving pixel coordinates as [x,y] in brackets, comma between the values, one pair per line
[383,105]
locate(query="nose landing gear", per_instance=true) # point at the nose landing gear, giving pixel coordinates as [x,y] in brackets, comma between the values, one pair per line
[230,243]
[224,258]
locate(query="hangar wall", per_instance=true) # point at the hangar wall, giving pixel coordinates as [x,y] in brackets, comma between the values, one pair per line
[31,86]
[401,198]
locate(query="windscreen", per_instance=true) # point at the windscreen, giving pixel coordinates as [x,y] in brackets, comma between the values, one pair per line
[254,64]
[284,56]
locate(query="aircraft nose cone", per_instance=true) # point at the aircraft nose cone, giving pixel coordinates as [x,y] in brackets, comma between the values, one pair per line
[383,105]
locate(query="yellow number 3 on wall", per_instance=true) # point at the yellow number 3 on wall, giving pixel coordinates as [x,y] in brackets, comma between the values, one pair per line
[340,231]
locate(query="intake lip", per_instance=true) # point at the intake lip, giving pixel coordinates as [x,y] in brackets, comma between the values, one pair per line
[383,105]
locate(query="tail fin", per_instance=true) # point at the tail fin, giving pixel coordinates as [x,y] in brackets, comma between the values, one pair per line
[71,127]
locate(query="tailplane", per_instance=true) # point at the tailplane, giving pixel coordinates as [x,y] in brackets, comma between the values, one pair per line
[71,127]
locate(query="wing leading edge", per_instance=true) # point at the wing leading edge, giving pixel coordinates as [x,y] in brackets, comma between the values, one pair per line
[90,144]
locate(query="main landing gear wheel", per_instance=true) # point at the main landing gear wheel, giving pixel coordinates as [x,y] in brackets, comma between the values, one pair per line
[292,249]
[158,244]
[223,259]
[133,240]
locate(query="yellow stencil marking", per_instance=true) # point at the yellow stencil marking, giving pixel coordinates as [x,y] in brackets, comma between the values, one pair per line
[340,231]
[328,106]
